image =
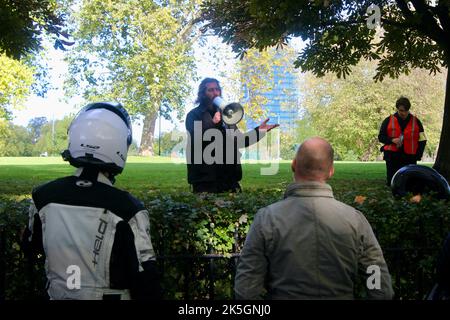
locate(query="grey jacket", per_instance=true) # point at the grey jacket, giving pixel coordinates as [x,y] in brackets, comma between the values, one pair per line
[310,246]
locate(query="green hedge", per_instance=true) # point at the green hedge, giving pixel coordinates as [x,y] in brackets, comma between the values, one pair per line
[186,225]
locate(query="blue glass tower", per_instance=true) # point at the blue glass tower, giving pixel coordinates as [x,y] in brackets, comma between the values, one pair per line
[282,101]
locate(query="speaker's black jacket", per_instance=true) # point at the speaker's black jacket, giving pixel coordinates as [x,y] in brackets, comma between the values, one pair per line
[212,152]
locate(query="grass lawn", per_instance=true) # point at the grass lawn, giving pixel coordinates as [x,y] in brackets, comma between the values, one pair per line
[146,174]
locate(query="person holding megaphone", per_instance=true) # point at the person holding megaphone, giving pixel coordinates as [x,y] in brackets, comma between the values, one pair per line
[213,157]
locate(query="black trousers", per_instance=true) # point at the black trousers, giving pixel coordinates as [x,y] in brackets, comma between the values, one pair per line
[216,187]
[395,161]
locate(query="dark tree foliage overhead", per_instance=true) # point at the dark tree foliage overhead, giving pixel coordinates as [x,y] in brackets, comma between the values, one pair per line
[22,23]
[337,34]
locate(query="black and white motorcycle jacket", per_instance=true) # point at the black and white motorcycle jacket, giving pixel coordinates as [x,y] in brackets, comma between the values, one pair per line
[96,239]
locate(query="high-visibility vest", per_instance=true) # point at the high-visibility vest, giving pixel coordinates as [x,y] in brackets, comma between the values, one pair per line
[410,135]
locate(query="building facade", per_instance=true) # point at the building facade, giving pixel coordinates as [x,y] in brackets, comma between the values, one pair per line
[282,105]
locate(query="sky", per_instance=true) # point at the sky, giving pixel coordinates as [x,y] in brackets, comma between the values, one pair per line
[54,107]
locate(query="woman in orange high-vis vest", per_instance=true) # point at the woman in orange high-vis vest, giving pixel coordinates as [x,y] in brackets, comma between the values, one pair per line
[403,137]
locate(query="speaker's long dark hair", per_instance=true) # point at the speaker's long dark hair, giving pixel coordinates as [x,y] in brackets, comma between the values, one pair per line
[202,89]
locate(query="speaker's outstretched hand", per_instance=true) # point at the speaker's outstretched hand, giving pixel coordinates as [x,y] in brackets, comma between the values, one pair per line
[267,127]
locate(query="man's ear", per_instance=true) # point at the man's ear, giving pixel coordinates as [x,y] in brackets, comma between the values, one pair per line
[331,172]
[293,165]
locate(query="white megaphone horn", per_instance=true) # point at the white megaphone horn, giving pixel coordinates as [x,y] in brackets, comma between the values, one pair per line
[232,113]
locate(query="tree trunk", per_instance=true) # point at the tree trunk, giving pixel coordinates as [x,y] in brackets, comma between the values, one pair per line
[442,164]
[148,133]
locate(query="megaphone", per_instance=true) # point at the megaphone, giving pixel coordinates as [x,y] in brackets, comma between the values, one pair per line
[232,113]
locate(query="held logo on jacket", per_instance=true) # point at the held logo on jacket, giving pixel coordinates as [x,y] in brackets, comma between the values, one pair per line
[410,135]
[99,239]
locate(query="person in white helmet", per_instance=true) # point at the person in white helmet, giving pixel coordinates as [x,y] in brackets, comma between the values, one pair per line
[95,237]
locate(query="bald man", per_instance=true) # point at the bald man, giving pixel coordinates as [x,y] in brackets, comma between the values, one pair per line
[309,245]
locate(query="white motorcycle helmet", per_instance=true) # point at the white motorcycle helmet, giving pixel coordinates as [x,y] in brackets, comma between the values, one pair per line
[99,137]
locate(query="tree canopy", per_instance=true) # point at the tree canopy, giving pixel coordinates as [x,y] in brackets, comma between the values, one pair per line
[338,34]
[35,126]
[22,23]
[53,137]
[15,141]
[135,52]
[15,82]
